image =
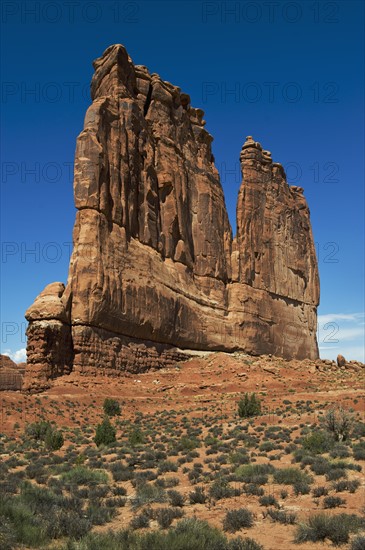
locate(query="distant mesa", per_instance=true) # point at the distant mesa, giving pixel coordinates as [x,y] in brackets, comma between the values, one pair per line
[155,271]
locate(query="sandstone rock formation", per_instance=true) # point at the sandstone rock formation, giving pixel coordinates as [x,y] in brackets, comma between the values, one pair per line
[11,374]
[154,265]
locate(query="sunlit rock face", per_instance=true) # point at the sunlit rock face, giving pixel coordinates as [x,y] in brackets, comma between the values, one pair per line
[155,270]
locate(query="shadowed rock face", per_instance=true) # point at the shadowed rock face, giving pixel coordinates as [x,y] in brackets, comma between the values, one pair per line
[154,265]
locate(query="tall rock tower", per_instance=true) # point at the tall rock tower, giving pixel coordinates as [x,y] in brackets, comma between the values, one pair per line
[154,268]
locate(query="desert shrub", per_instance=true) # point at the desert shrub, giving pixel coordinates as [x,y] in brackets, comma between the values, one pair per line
[45,432]
[254,473]
[167,466]
[105,433]
[338,422]
[339,451]
[38,430]
[346,485]
[253,489]
[188,534]
[237,519]
[53,439]
[291,476]
[136,437]
[198,496]
[220,489]
[111,407]
[268,500]
[249,406]
[140,521]
[317,442]
[239,457]
[301,488]
[244,544]
[320,491]
[335,473]
[333,502]
[147,493]
[176,498]
[81,475]
[98,514]
[120,472]
[282,516]
[358,543]
[321,526]
[165,516]
[358,451]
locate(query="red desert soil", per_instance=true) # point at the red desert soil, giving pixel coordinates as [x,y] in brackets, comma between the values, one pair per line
[213,384]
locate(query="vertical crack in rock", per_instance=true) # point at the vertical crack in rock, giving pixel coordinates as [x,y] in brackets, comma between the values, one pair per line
[154,265]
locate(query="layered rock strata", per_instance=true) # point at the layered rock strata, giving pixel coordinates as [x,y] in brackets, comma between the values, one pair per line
[155,270]
[11,374]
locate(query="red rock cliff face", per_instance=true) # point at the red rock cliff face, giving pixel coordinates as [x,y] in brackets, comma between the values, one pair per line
[154,265]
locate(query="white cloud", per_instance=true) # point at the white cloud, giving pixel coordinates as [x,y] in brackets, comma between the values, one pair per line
[341,333]
[19,356]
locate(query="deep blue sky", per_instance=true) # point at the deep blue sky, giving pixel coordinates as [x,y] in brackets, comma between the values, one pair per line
[296,69]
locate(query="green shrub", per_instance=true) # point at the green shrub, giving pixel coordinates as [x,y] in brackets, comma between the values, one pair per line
[254,473]
[321,526]
[318,442]
[358,543]
[111,407]
[148,493]
[237,519]
[81,475]
[249,406]
[176,498]
[339,422]
[198,496]
[282,516]
[165,516]
[140,521]
[136,437]
[333,502]
[320,492]
[268,500]
[105,433]
[220,489]
[291,476]
[44,431]
[53,440]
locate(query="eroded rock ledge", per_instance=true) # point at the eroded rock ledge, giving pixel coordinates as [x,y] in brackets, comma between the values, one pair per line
[154,265]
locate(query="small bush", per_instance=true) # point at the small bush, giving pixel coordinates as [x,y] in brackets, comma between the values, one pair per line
[220,489]
[165,516]
[339,422]
[358,543]
[268,500]
[318,442]
[111,407]
[237,519]
[176,498]
[291,476]
[249,406]
[136,437]
[282,516]
[81,475]
[333,502]
[105,433]
[322,526]
[140,521]
[198,496]
[320,492]
[53,440]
